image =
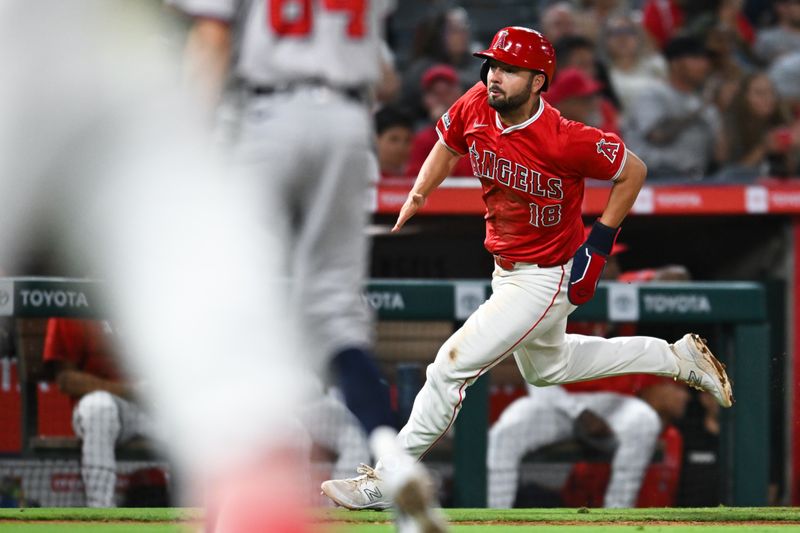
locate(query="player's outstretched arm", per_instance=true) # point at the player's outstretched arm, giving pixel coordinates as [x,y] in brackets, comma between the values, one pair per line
[435,169]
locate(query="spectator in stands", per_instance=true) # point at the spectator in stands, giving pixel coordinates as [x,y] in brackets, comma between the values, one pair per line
[782,38]
[666,19]
[444,38]
[730,16]
[394,129]
[785,75]
[576,51]
[729,64]
[577,96]
[759,137]
[558,21]
[594,16]
[580,53]
[79,353]
[632,66]
[674,129]
[440,89]
[662,19]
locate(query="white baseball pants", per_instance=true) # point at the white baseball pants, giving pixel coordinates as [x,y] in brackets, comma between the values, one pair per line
[546,416]
[102,420]
[527,316]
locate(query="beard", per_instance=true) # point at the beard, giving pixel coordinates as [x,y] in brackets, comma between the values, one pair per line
[504,103]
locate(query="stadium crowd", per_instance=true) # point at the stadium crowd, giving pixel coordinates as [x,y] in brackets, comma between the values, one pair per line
[701,90]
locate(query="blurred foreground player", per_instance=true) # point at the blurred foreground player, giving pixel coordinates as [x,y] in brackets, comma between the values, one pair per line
[114,162]
[532,164]
[305,73]
[105,413]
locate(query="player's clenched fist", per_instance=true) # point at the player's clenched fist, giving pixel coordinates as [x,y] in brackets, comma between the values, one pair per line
[409,209]
[588,263]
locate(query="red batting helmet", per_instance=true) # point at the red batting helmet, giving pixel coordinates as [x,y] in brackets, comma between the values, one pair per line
[524,48]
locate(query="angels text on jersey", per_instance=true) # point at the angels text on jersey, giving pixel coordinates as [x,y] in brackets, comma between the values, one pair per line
[486,165]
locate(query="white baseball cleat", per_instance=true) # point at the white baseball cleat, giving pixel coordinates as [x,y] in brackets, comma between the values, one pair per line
[409,486]
[366,491]
[698,367]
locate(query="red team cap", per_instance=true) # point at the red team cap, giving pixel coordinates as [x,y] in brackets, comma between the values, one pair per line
[438,72]
[572,83]
[521,47]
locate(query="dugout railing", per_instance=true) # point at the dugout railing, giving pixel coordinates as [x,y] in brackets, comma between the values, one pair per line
[738,309]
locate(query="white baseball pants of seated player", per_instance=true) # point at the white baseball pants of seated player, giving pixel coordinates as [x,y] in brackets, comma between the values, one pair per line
[525,316]
[546,416]
[310,149]
[102,420]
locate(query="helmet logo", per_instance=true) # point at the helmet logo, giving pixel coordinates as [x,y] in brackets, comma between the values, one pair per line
[500,40]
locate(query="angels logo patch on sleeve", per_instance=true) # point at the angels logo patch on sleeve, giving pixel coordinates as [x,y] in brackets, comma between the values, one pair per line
[608,149]
[446,120]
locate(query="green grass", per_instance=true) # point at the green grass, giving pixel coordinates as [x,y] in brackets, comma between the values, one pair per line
[80,527]
[83,527]
[83,514]
[710,514]
[708,520]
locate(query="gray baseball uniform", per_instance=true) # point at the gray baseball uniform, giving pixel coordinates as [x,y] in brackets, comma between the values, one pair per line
[305,136]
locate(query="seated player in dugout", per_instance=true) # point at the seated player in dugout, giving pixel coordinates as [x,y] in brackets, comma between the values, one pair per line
[626,417]
[532,164]
[79,354]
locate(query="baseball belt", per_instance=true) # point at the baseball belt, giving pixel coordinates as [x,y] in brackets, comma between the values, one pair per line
[356,94]
[508,264]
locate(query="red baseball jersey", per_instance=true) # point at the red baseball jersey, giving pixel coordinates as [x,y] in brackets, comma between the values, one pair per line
[532,174]
[85,343]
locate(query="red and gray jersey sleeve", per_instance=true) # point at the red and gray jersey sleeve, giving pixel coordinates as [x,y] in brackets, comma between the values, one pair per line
[218,9]
[594,153]
[451,126]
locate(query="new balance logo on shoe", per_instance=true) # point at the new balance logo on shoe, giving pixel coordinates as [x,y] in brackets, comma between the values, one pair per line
[374,495]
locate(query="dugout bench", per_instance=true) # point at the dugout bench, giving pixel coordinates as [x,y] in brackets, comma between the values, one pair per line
[739,309]
[31,301]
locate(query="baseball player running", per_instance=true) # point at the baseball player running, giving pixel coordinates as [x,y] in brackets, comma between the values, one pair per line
[531,163]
